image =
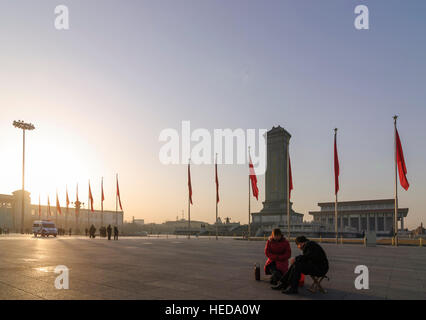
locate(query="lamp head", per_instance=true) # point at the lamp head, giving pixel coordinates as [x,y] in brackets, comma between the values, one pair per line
[23,125]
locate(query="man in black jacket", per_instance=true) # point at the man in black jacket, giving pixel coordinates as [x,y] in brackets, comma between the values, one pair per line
[313,261]
[109,230]
[115,233]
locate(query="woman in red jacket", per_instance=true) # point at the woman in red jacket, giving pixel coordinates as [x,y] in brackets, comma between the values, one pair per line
[278,251]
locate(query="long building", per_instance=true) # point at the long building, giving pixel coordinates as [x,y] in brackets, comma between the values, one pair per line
[360,216]
[75,217]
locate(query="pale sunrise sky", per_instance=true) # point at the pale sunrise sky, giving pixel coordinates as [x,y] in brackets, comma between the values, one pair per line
[101,92]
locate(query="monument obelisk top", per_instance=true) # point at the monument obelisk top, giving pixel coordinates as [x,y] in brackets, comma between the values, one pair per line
[278,131]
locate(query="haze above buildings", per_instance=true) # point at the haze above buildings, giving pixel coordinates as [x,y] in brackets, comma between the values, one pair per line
[100,94]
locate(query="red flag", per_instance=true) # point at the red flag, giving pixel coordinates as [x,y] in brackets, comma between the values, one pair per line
[91,198]
[48,207]
[401,163]
[217,185]
[253,180]
[58,206]
[290,183]
[189,184]
[39,207]
[336,167]
[118,195]
[68,199]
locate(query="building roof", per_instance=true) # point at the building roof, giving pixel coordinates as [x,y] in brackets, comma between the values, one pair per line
[6,197]
[182,221]
[72,209]
[358,202]
[403,211]
[293,213]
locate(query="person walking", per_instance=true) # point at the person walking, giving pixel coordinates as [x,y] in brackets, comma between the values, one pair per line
[92,231]
[115,233]
[109,230]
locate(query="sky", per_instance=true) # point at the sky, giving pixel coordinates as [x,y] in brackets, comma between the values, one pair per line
[101,93]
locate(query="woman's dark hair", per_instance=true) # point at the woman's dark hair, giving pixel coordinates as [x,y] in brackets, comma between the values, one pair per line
[301,239]
[276,232]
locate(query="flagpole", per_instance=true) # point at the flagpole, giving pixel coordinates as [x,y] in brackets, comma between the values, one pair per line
[189,205]
[216,221]
[335,191]
[288,190]
[56,215]
[102,203]
[216,193]
[336,224]
[88,204]
[189,217]
[396,188]
[77,211]
[116,196]
[248,231]
[66,212]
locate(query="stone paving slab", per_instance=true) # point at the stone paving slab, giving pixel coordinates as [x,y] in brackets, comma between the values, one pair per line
[203,268]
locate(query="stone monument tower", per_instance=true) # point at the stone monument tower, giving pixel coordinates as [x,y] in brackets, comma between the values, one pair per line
[274,210]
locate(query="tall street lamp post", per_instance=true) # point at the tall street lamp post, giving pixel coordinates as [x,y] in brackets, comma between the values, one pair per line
[24,126]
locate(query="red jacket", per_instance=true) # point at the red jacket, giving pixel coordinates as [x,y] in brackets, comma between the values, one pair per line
[278,252]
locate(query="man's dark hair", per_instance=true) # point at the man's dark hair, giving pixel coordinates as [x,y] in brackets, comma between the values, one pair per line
[301,239]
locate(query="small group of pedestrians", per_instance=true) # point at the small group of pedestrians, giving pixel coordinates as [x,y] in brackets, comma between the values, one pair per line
[103,232]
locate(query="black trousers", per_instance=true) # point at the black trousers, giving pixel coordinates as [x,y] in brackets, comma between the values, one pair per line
[293,274]
[272,269]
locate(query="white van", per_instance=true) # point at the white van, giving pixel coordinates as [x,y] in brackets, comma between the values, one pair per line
[44,228]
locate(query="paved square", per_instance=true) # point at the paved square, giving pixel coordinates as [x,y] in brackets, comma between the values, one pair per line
[178,268]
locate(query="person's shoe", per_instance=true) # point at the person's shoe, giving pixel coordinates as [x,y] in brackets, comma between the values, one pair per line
[278,287]
[281,286]
[290,291]
[275,278]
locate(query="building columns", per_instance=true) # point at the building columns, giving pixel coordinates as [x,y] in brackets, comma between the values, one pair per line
[375,223]
[368,222]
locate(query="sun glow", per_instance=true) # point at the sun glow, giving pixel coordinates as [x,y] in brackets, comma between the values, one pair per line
[54,161]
